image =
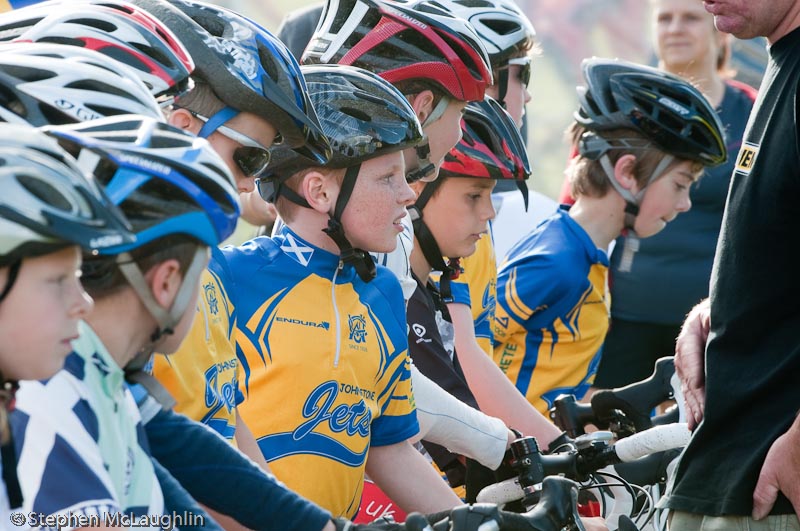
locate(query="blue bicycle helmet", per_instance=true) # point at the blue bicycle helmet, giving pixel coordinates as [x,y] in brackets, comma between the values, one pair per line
[166,181]
[247,67]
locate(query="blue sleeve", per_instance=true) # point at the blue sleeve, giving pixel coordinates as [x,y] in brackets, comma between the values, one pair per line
[222,478]
[531,289]
[178,501]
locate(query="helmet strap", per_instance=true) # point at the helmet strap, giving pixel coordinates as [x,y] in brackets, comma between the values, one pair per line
[437,112]
[425,168]
[502,86]
[632,203]
[166,320]
[451,267]
[360,259]
[13,272]
[216,120]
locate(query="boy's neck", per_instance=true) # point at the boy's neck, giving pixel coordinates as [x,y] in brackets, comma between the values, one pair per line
[309,225]
[419,264]
[603,218]
[122,325]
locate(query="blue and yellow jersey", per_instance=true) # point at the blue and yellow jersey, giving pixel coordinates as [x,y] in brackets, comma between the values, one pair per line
[552,311]
[477,288]
[8,5]
[324,364]
[203,374]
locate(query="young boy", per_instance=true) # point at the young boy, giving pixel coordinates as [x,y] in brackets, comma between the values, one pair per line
[242,113]
[82,426]
[338,367]
[41,297]
[643,137]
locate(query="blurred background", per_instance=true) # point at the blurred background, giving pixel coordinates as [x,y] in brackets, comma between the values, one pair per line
[568,31]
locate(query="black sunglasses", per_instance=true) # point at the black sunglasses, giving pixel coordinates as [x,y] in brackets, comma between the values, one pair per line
[252,158]
[525,69]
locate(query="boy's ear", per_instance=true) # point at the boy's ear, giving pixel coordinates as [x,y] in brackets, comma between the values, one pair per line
[165,280]
[183,119]
[320,190]
[624,172]
[422,104]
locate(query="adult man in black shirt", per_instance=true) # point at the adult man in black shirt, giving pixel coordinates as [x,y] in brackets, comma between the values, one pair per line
[744,457]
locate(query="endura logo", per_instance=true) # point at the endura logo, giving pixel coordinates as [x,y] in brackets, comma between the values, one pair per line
[313,324]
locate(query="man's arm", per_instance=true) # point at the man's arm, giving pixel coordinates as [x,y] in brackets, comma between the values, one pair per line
[690,349]
[495,393]
[408,479]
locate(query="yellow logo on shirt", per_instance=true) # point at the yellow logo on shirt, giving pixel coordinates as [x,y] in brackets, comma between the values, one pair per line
[746,158]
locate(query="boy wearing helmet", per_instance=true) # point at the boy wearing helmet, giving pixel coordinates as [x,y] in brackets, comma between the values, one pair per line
[242,110]
[41,298]
[644,137]
[82,426]
[337,368]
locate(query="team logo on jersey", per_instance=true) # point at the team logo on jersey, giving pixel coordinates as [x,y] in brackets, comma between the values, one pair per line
[747,157]
[320,409]
[358,328]
[211,298]
[298,251]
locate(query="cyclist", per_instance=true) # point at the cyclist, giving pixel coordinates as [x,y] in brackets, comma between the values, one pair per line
[241,113]
[82,426]
[48,211]
[345,388]
[644,137]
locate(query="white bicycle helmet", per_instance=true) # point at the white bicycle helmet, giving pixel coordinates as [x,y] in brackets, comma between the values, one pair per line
[120,30]
[500,24]
[47,202]
[45,84]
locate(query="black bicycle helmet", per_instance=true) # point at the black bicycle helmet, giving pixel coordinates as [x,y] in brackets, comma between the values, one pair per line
[247,67]
[403,42]
[114,28]
[665,108]
[364,117]
[53,84]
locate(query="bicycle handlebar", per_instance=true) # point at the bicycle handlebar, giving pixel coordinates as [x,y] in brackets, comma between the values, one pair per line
[577,464]
[625,410]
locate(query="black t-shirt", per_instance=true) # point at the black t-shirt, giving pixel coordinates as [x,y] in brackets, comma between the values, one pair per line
[753,354]
[435,357]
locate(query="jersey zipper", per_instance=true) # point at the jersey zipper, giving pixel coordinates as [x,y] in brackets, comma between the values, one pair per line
[336,315]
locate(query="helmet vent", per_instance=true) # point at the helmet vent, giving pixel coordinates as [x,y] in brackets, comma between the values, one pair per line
[44,192]
[98,86]
[501,27]
[94,23]
[355,113]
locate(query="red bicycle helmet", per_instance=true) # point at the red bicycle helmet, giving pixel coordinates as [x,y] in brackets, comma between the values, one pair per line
[400,42]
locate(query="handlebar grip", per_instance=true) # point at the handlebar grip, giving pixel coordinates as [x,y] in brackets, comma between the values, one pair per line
[626,524]
[657,439]
[501,492]
[638,399]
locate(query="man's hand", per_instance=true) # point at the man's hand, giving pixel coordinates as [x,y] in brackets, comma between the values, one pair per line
[594,523]
[690,349]
[779,473]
